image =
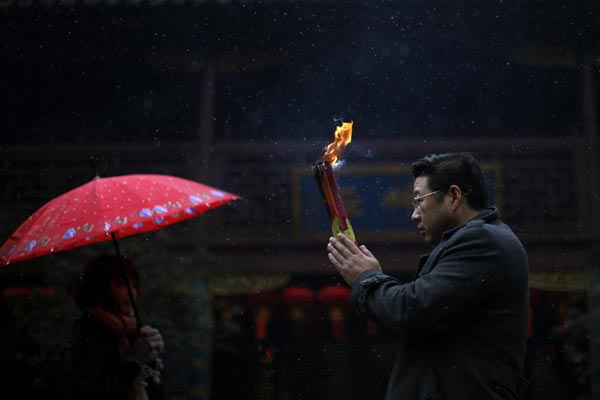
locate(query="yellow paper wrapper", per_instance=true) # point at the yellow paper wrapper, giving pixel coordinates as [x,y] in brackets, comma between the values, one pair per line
[336,228]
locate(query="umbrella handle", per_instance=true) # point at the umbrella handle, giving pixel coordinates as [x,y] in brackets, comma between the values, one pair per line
[126,279]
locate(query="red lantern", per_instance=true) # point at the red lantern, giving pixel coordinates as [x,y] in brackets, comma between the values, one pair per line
[336,299]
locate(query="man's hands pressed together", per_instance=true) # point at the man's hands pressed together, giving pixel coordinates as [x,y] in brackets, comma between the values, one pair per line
[349,259]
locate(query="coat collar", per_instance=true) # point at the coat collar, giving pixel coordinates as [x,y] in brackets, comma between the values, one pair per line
[486,216]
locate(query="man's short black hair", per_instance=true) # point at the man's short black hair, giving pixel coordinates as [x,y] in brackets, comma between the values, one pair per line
[461,169]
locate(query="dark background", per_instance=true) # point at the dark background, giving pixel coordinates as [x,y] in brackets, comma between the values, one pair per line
[127,73]
[244,95]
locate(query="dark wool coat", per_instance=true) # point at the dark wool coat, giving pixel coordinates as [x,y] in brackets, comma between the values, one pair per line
[461,325]
[93,369]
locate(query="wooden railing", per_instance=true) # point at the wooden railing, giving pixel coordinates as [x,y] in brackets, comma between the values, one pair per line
[544,184]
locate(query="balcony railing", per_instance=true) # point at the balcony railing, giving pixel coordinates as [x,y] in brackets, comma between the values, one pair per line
[543,185]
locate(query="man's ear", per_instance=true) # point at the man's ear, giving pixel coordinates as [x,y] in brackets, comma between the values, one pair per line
[456,195]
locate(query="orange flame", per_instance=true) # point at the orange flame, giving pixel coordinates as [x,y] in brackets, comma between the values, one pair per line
[342,136]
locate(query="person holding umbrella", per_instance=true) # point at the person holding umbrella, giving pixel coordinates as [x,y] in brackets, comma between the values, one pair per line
[109,348]
[108,355]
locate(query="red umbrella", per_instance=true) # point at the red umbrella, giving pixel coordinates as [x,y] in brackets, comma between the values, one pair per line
[122,205]
[109,208]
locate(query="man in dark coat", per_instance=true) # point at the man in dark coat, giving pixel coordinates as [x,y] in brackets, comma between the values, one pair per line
[461,324]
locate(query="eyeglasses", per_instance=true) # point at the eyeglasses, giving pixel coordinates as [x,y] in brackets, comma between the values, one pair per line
[419,199]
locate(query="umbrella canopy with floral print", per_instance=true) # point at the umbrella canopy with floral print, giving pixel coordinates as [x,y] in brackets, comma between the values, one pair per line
[108,208]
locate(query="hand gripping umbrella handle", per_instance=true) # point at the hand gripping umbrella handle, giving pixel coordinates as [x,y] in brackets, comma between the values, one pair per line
[126,279]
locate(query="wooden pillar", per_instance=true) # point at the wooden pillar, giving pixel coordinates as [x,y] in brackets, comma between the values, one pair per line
[589,117]
[206,123]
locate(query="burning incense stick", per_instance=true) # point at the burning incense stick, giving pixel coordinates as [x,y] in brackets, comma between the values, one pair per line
[328,186]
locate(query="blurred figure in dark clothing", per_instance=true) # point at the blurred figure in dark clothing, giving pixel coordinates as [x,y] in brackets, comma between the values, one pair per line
[107,356]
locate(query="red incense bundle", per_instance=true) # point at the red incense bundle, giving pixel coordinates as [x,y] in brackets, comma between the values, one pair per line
[330,191]
[332,200]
